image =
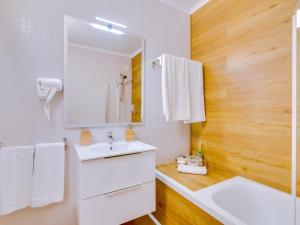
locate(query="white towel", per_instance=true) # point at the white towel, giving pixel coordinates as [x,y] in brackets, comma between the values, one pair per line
[192,169]
[48,175]
[175,93]
[16,165]
[196,92]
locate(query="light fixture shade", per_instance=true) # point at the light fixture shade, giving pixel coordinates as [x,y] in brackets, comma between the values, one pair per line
[106,28]
[111,22]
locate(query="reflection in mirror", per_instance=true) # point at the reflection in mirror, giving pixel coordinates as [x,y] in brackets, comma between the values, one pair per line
[103,74]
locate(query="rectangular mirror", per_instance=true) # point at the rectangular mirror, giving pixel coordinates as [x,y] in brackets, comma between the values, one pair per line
[103,74]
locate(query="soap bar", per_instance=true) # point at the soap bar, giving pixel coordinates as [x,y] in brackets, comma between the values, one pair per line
[85,137]
[192,169]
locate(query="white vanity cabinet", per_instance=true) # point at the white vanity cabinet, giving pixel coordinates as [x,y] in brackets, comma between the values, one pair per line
[115,186]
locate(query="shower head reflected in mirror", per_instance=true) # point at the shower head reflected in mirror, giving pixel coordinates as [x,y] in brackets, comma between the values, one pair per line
[124,74]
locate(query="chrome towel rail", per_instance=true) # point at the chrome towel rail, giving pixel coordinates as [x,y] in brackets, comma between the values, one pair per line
[157,62]
[65,140]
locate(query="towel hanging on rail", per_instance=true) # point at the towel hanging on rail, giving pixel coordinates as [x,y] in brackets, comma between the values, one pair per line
[26,180]
[196,92]
[175,88]
[48,174]
[182,89]
[16,165]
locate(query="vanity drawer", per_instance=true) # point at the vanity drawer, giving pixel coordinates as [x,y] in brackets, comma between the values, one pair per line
[101,176]
[118,207]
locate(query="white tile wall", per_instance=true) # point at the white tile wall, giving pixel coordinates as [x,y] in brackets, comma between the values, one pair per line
[31,46]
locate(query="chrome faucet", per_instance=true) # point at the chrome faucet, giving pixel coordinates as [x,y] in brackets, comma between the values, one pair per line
[110,138]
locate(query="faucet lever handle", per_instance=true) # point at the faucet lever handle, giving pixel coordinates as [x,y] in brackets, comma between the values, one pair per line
[110,134]
[110,138]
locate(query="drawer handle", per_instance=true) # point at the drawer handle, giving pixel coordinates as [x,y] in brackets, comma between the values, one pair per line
[115,156]
[122,190]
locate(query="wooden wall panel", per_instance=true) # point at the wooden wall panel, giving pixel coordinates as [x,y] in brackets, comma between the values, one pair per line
[245,47]
[136,94]
[173,209]
[298,109]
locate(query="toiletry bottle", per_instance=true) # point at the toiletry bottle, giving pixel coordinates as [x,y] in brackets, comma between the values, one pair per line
[85,137]
[200,155]
[129,133]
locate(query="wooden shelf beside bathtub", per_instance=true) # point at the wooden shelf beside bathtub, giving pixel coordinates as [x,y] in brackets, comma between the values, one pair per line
[191,181]
[174,209]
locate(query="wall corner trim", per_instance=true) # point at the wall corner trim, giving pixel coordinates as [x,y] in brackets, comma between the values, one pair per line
[198,5]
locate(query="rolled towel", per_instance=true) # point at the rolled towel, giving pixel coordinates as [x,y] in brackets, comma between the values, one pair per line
[192,169]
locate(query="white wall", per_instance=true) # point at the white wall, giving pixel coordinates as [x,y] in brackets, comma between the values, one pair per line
[31,46]
[88,72]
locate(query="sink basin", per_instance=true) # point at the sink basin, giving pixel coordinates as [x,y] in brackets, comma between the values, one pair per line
[104,150]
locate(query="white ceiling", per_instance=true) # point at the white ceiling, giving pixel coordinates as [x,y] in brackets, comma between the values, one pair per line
[81,33]
[188,6]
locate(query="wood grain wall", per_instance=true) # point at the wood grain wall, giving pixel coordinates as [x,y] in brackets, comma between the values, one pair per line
[245,47]
[298,109]
[136,94]
[173,209]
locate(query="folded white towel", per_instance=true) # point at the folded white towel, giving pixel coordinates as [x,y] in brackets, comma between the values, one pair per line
[192,169]
[196,92]
[16,165]
[48,175]
[175,92]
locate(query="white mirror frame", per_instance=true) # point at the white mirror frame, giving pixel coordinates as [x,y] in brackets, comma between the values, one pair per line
[80,126]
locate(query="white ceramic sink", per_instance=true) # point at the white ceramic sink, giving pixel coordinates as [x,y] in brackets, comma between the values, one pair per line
[104,150]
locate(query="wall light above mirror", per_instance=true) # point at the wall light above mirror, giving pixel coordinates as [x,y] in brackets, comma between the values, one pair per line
[104,74]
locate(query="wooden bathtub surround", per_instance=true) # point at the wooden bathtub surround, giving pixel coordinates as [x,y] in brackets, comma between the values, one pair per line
[245,47]
[172,208]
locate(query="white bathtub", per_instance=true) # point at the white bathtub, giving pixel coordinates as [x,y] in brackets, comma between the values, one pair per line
[242,201]
[239,201]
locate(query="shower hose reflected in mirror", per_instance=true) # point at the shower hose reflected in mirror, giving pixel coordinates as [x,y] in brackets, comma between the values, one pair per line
[121,88]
